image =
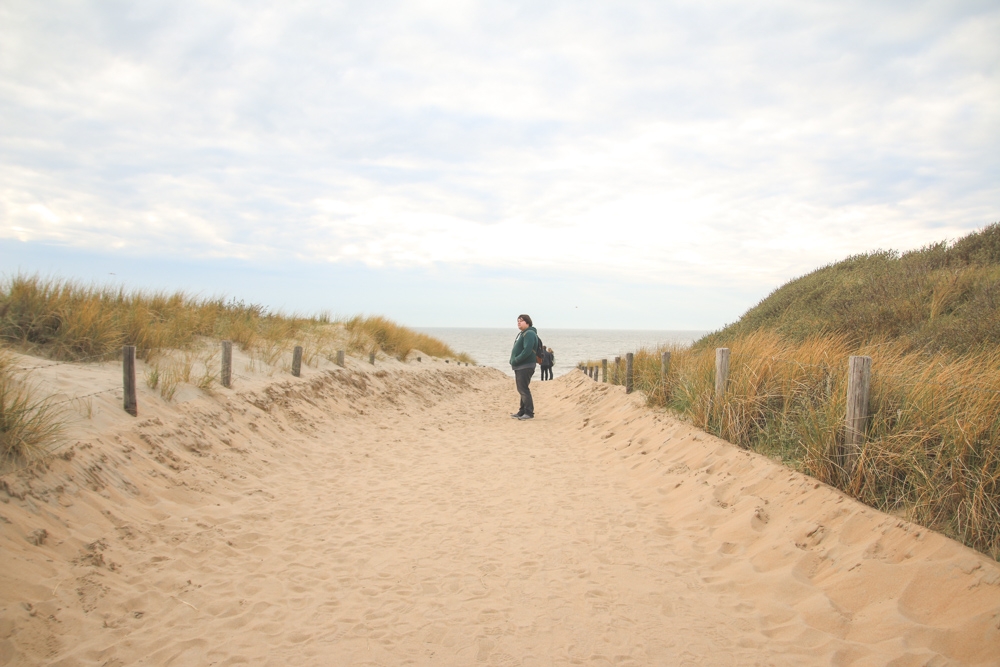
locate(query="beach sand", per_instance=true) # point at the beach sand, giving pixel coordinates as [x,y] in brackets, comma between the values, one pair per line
[396,515]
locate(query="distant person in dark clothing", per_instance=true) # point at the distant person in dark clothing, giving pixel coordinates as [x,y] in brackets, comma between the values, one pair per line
[522,360]
[548,359]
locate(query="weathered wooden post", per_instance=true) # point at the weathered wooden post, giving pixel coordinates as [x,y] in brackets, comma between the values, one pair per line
[604,371]
[227,363]
[618,371]
[859,377]
[297,360]
[664,369]
[628,372]
[340,358]
[721,370]
[371,358]
[128,380]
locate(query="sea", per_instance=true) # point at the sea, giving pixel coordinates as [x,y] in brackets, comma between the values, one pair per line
[491,347]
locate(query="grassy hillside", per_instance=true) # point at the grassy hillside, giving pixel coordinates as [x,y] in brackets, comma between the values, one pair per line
[929,320]
[67,321]
[944,297]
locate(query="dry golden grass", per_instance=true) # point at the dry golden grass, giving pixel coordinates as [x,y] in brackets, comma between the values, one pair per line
[932,446]
[27,423]
[64,320]
[375,332]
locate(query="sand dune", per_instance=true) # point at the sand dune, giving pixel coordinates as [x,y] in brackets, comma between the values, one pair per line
[396,515]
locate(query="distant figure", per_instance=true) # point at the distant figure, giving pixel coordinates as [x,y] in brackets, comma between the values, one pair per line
[522,360]
[548,359]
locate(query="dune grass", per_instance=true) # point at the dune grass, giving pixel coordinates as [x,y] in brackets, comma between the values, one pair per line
[67,321]
[930,321]
[28,424]
[932,447]
[944,297]
[379,333]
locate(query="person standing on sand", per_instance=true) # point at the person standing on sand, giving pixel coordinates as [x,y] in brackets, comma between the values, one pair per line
[548,360]
[522,360]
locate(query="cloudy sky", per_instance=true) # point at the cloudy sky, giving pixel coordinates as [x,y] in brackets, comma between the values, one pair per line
[630,164]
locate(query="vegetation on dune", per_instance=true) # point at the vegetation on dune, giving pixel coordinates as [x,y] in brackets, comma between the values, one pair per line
[377,332]
[27,424]
[930,321]
[63,320]
[944,297]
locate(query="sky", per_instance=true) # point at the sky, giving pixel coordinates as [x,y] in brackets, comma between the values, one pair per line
[631,164]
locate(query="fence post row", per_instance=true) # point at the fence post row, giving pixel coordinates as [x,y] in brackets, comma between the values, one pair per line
[297,360]
[721,370]
[131,405]
[858,394]
[859,376]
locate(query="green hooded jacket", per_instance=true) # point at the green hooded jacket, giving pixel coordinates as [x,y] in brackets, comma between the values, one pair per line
[523,354]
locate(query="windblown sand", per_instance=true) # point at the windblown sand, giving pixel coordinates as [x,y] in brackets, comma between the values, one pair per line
[396,515]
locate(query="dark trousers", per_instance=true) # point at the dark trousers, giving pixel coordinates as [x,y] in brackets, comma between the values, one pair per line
[522,378]
[546,372]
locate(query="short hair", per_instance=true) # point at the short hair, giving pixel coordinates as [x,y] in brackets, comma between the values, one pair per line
[526,318]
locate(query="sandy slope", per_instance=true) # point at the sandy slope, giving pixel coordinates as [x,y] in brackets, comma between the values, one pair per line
[398,516]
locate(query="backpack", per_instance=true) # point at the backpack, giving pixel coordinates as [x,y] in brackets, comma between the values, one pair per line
[539,349]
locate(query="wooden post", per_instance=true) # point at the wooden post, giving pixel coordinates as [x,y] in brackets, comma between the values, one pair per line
[227,363]
[859,376]
[128,380]
[297,360]
[664,369]
[340,358]
[604,370]
[371,358]
[721,370]
[628,372]
[617,374]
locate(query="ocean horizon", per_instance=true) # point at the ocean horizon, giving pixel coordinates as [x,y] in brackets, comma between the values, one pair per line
[491,346]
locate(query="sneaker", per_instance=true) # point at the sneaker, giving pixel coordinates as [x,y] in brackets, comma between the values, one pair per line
[523,417]
[516,415]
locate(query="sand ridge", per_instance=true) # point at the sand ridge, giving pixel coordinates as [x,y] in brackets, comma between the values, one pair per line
[396,515]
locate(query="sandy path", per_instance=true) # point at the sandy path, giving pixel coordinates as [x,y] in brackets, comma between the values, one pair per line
[407,520]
